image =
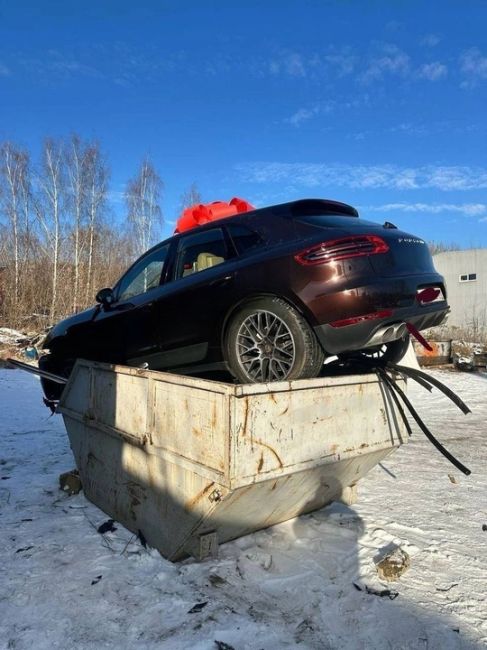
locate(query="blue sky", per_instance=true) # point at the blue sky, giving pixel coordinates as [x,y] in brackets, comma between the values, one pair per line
[380,104]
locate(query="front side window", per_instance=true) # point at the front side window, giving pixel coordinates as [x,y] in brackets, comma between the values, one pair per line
[200,251]
[145,275]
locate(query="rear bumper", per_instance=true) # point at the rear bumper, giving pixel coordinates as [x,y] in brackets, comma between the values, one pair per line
[335,340]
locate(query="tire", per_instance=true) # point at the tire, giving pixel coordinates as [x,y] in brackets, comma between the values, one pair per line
[268,340]
[392,352]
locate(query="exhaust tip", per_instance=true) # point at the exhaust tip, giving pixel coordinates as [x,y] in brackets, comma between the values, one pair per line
[402,330]
[388,335]
[394,332]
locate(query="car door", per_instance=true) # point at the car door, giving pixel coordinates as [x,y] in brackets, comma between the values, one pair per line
[128,328]
[197,297]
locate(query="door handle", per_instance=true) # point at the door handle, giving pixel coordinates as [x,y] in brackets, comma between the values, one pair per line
[220,281]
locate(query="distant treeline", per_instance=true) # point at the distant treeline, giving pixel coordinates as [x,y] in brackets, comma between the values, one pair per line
[58,240]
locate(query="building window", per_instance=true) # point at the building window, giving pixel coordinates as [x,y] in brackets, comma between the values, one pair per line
[467,277]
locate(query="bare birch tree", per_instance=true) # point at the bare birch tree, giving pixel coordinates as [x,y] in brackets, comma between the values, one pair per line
[97,187]
[49,209]
[142,197]
[76,163]
[190,197]
[14,201]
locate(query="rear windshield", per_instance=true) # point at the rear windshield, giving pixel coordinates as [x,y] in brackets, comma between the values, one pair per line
[335,221]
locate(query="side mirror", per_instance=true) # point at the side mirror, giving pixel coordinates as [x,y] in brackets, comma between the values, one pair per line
[105,296]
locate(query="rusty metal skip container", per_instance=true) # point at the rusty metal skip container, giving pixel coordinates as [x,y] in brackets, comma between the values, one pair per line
[192,463]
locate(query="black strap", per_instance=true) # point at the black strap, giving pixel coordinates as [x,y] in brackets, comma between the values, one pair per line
[436,443]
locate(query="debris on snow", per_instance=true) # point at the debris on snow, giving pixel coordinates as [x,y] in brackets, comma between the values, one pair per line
[70,482]
[467,356]
[382,593]
[392,566]
[197,608]
[221,645]
[141,538]
[465,364]
[12,337]
[216,580]
[107,527]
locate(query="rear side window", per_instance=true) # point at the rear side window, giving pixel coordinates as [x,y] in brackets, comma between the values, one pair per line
[200,251]
[335,221]
[244,238]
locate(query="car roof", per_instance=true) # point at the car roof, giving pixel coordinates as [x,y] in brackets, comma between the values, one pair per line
[291,209]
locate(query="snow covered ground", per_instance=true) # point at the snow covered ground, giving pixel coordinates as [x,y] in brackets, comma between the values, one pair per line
[64,585]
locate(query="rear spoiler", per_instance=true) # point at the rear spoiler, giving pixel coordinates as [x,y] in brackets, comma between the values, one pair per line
[314,207]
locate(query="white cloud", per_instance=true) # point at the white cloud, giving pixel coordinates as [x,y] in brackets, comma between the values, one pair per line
[302,115]
[295,66]
[365,176]
[342,63]
[430,40]
[4,71]
[433,71]
[467,209]
[307,113]
[391,61]
[473,64]
[291,63]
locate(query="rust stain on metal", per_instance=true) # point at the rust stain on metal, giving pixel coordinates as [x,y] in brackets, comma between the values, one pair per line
[196,431]
[285,410]
[189,505]
[136,493]
[246,416]
[261,462]
[238,494]
[434,352]
[273,398]
[273,451]
[214,418]
[274,485]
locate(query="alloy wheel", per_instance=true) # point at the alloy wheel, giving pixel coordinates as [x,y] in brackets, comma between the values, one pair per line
[265,347]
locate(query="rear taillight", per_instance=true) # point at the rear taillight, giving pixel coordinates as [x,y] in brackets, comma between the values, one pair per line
[342,249]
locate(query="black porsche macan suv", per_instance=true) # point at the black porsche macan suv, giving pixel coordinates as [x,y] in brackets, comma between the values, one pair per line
[266,295]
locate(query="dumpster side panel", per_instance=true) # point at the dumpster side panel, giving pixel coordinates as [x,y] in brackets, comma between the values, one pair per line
[192,423]
[274,433]
[260,505]
[118,401]
[144,492]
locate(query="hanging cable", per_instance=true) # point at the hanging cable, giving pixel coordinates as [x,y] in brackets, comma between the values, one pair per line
[416,374]
[436,443]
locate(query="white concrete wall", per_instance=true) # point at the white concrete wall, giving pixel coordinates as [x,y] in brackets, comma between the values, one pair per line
[468,300]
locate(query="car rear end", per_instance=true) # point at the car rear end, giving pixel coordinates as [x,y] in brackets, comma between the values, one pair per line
[363,284]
